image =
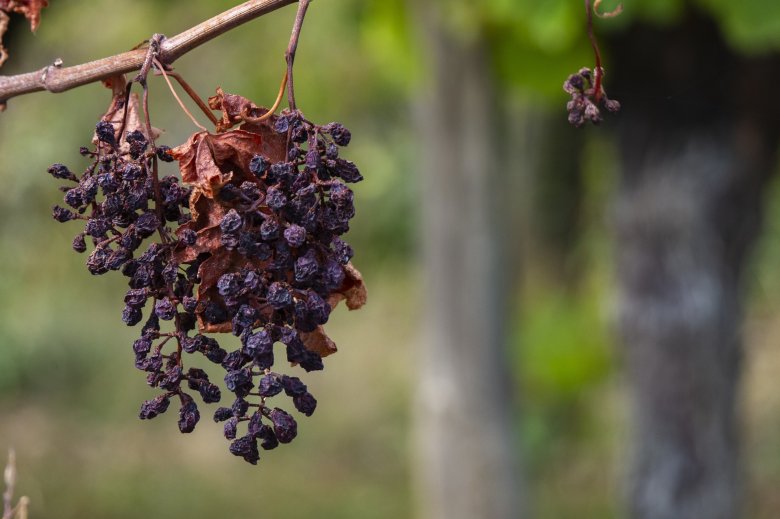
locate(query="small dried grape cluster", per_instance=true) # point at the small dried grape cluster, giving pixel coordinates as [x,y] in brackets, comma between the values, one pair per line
[585,99]
[248,243]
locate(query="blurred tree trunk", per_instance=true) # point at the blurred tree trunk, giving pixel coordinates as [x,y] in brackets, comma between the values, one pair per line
[465,457]
[698,139]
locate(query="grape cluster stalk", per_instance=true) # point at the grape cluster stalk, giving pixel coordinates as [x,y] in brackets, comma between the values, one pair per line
[246,241]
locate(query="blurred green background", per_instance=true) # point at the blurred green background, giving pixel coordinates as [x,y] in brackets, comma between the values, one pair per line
[69,395]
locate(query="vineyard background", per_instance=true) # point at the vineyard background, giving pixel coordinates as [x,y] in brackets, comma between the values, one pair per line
[69,394]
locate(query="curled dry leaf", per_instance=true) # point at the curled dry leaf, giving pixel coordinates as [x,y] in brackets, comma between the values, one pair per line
[352,291]
[31,9]
[257,252]
[234,109]
[318,341]
[208,162]
[3,28]
[210,271]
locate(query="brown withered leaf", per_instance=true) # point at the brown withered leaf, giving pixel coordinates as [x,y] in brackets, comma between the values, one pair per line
[198,165]
[234,109]
[207,162]
[206,215]
[135,120]
[117,85]
[199,169]
[319,342]
[204,161]
[3,27]
[352,291]
[31,9]
[210,271]
[274,146]
[234,150]
[231,107]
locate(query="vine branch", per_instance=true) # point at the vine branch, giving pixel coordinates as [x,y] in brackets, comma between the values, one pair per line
[55,78]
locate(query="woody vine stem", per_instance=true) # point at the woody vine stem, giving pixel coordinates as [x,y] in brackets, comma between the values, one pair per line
[303,5]
[55,78]
[597,71]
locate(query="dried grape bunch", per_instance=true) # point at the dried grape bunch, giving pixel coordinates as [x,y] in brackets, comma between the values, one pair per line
[247,242]
[586,86]
[585,101]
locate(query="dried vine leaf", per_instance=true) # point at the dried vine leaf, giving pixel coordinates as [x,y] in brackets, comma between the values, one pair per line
[135,120]
[318,341]
[117,85]
[3,27]
[209,273]
[207,162]
[353,289]
[231,106]
[234,109]
[199,166]
[31,9]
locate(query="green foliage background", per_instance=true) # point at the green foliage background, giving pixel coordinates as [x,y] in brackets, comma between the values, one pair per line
[69,394]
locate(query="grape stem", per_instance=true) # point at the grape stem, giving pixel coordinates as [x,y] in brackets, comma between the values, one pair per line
[151,54]
[303,5]
[271,110]
[161,68]
[55,78]
[598,72]
[194,96]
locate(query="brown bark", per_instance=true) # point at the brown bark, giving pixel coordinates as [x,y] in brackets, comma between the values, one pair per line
[698,140]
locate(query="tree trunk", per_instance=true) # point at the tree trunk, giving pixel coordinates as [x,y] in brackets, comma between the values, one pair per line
[698,146]
[465,454]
